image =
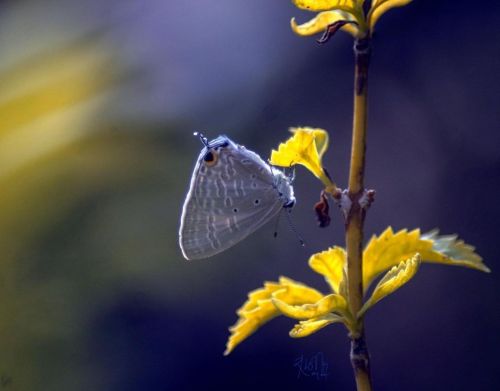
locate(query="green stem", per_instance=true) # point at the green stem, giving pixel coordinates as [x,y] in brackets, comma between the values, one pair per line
[356,215]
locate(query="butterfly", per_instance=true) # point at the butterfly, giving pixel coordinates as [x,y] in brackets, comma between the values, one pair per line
[233,192]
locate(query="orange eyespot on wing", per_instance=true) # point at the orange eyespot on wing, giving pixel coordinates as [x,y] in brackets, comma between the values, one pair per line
[211,158]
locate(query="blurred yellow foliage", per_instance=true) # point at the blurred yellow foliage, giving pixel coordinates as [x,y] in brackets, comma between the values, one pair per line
[58,150]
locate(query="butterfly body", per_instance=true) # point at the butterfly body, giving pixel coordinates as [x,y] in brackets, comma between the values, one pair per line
[233,192]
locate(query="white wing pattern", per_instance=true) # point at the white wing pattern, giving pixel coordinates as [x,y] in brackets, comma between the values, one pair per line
[233,192]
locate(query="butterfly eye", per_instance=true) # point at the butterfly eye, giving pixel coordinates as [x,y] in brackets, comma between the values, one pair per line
[211,158]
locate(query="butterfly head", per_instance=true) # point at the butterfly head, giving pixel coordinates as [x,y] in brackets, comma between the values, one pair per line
[284,187]
[210,154]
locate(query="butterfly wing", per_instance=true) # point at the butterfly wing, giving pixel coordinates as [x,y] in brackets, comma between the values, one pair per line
[227,201]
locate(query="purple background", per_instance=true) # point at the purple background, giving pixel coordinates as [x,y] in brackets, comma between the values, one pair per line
[117,308]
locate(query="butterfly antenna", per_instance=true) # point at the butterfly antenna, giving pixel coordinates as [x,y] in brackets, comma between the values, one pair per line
[292,227]
[203,139]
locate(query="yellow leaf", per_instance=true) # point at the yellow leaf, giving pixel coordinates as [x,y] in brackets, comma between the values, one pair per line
[390,249]
[302,149]
[325,5]
[249,323]
[259,309]
[327,304]
[450,251]
[296,292]
[352,29]
[381,7]
[330,264]
[320,136]
[259,294]
[343,284]
[308,327]
[321,22]
[255,312]
[393,280]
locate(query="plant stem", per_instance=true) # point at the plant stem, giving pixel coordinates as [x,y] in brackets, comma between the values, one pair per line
[356,216]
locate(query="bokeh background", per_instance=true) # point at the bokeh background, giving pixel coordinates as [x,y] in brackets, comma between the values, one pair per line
[98,103]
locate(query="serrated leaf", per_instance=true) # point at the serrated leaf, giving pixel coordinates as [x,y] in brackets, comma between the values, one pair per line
[259,309]
[448,249]
[390,248]
[330,264]
[327,304]
[393,280]
[255,312]
[307,327]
